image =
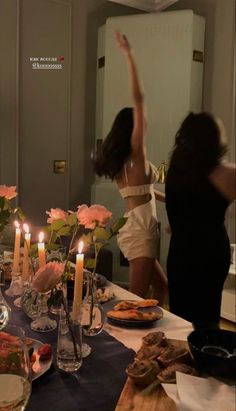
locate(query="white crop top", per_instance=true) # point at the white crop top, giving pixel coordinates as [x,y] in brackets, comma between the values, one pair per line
[142,189]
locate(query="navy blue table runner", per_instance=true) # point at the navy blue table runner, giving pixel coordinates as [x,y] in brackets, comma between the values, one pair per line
[95,386]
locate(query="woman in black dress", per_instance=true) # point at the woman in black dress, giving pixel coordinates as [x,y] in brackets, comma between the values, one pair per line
[199,188]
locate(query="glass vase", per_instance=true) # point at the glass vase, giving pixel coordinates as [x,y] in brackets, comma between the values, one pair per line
[29,302]
[69,341]
[60,256]
[92,313]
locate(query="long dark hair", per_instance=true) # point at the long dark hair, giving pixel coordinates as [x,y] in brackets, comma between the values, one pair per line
[197,150]
[116,148]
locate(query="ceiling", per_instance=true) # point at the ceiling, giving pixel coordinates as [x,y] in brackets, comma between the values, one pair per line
[146,5]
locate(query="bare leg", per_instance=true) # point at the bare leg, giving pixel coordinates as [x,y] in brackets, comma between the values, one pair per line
[144,272]
[159,284]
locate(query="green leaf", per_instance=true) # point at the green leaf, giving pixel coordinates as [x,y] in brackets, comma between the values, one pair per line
[53,237]
[115,227]
[98,246]
[13,359]
[20,214]
[90,263]
[101,233]
[52,247]
[71,219]
[6,204]
[56,225]
[63,231]
[2,202]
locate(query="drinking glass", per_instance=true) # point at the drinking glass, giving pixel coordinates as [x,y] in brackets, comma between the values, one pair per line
[5,310]
[15,378]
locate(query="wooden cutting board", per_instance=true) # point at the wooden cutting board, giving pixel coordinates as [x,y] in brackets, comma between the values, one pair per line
[151,398]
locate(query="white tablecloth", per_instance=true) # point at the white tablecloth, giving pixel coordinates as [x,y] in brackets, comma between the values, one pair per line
[173,326]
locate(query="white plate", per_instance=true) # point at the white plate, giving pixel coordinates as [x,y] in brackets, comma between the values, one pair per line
[38,367]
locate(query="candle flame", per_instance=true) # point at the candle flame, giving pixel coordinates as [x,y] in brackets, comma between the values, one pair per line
[41,237]
[80,247]
[17,224]
[26,228]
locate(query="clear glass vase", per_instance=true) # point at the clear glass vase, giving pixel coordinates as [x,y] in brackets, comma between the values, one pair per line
[60,256]
[5,310]
[92,313]
[29,302]
[69,341]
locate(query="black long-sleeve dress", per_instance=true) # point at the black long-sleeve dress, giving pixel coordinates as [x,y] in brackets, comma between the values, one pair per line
[199,253]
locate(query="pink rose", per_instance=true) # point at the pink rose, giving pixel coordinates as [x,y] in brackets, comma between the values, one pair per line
[48,276]
[8,192]
[56,214]
[94,215]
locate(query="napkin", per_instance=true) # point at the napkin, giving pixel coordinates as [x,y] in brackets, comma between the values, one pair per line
[201,394]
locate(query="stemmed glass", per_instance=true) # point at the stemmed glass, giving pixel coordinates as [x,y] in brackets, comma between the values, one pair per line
[15,376]
[5,310]
[43,323]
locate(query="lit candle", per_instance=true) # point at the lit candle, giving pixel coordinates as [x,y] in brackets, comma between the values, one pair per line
[16,258]
[41,250]
[25,271]
[78,283]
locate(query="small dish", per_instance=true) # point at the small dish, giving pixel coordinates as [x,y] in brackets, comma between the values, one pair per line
[38,367]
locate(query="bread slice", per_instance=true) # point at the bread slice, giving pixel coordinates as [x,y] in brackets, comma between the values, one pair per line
[127,304]
[134,315]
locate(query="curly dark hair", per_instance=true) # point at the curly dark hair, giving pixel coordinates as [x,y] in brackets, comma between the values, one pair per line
[197,150]
[116,148]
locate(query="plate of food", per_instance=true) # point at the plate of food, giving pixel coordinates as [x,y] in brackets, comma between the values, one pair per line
[40,357]
[159,358]
[135,314]
[104,294]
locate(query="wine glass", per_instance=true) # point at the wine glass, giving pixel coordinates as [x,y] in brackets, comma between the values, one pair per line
[5,310]
[15,376]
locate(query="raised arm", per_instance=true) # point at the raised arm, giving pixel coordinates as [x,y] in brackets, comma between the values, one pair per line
[137,141]
[160,196]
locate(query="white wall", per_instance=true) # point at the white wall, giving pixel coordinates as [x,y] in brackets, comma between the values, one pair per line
[49,115]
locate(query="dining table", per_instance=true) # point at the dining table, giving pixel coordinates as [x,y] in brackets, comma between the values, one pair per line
[98,384]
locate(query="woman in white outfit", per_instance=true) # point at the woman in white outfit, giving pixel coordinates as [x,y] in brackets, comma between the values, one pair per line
[122,157]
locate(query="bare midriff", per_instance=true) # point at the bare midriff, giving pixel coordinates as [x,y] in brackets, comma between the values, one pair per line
[135,201]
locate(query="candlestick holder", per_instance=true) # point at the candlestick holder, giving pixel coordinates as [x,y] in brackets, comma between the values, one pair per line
[15,287]
[43,323]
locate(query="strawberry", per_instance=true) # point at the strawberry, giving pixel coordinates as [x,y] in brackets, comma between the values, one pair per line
[33,358]
[45,352]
